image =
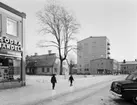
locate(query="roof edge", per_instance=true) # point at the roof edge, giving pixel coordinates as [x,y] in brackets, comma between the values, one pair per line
[93,37]
[10,9]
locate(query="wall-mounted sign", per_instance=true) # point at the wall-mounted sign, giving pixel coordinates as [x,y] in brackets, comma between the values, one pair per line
[10,44]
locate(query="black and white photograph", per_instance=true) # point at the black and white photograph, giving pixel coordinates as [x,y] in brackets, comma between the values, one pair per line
[68,52]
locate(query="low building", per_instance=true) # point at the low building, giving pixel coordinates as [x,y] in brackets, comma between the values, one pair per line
[42,64]
[128,67]
[46,64]
[103,66]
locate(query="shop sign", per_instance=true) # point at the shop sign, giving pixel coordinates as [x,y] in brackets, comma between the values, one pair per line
[10,44]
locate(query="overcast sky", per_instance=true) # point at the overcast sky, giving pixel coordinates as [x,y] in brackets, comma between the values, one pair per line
[116,19]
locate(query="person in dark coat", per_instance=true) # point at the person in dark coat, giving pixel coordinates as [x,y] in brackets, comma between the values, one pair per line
[71,79]
[53,81]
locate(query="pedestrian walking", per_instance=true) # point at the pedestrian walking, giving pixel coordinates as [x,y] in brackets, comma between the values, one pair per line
[53,81]
[71,79]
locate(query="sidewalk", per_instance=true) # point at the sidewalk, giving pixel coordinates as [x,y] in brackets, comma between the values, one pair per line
[39,88]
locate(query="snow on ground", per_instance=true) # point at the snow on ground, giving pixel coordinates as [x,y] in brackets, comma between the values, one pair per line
[39,87]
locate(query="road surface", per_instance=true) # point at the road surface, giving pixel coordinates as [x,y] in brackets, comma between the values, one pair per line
[97,94]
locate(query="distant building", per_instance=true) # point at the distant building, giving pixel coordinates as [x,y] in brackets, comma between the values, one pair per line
[74,69]
[128,67]
[46,64]
[103,66]
[89,49]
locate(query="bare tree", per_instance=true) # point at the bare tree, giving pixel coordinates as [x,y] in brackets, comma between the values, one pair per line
[56,21]
[71,65]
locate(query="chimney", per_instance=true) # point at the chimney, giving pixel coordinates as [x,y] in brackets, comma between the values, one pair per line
[49,51]
[124,61]
[36,54]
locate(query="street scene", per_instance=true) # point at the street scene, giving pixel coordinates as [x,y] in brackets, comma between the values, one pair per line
[68,52]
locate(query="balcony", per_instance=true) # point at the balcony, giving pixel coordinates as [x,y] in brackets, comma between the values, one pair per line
[108,53]
[108,57]
[108,48]
[108,43]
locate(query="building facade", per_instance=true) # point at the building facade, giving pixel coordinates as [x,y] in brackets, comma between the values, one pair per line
[104,66]
[128,67]
[46,64]
[89,49]
[42,64]
[12,56]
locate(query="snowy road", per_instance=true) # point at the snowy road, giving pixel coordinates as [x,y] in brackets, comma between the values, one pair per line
[97,94]
[85,91]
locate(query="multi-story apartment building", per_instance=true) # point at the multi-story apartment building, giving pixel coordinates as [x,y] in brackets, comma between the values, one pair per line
[89,49]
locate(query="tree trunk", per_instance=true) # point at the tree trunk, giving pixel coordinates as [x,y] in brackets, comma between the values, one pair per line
[61,67]
[70,70]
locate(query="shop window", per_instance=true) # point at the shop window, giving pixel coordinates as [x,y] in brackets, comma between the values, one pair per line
[0,23]
[11,27]
[10,69]
[17,69]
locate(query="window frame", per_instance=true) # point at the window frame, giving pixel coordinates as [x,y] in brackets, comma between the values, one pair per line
[13,21]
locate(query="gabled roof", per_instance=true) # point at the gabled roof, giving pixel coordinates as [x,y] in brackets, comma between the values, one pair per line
[47,60]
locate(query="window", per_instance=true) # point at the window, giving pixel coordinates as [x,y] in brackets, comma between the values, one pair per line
[17,68]
[10,69]
[0,23]
[55,69]
[47,69]
[42,69]
[11,27]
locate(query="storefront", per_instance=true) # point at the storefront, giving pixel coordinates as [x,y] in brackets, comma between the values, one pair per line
[12,56]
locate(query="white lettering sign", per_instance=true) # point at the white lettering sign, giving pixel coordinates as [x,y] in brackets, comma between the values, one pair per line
[6,43]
